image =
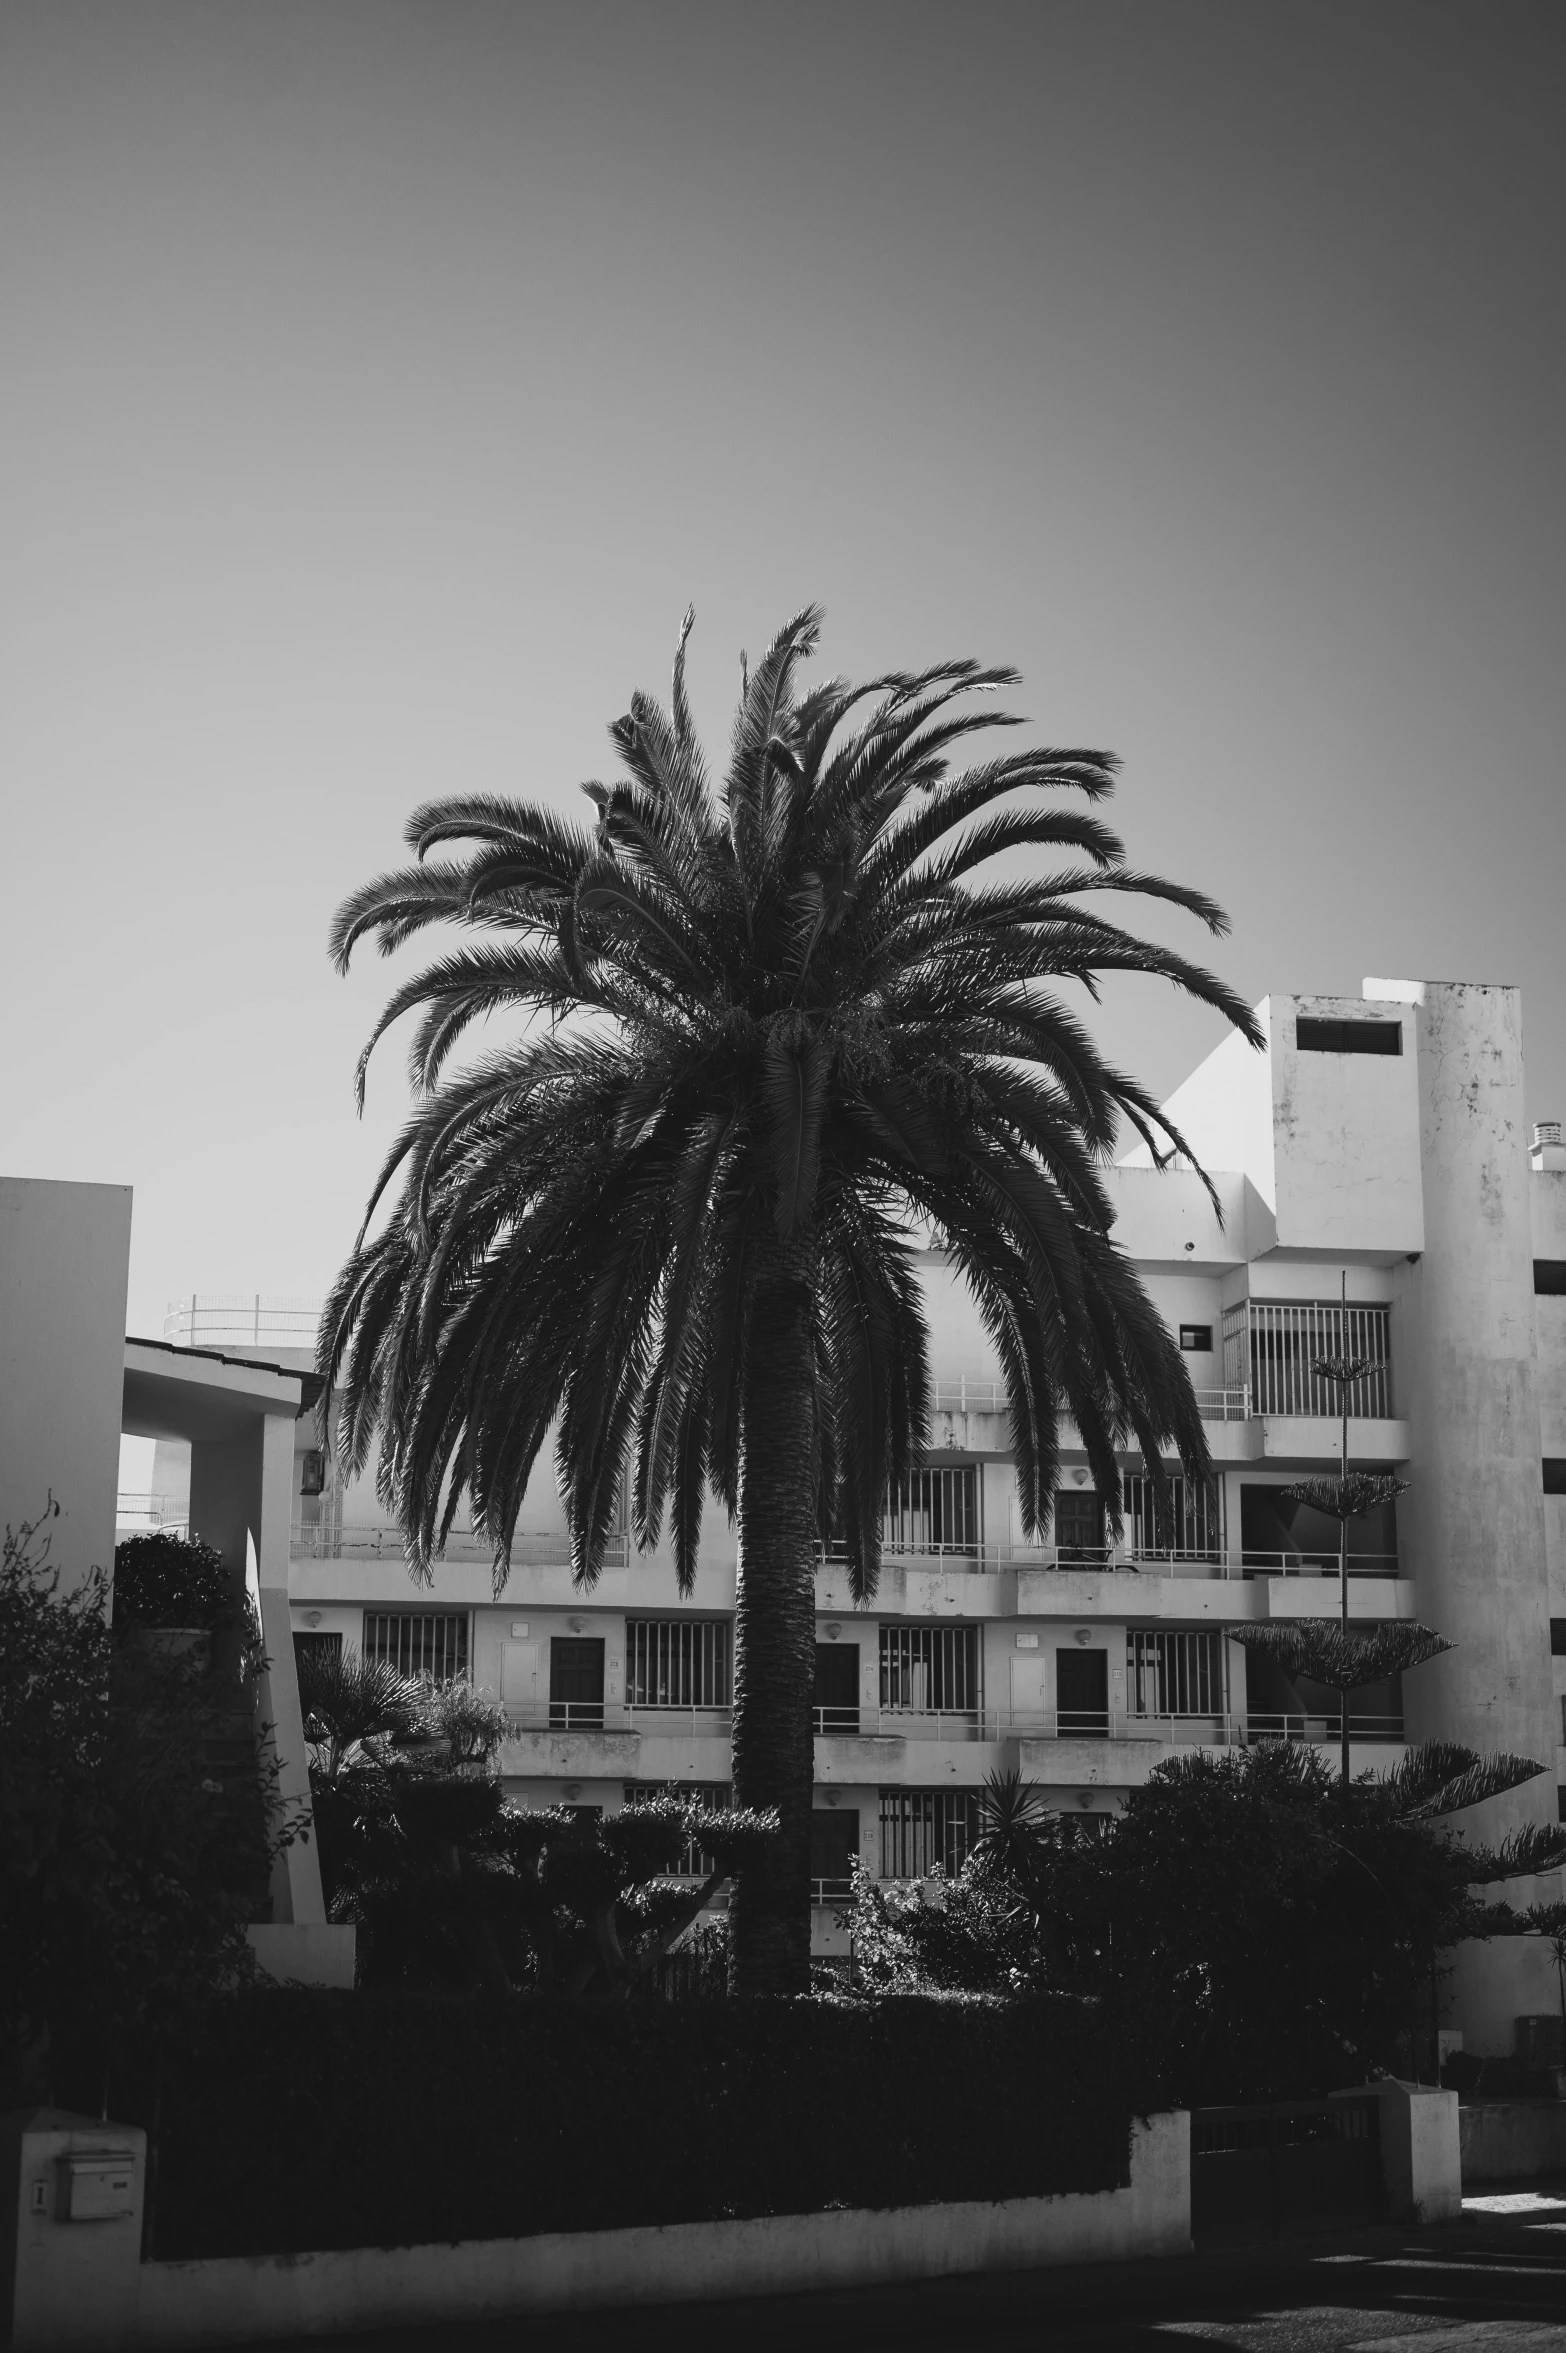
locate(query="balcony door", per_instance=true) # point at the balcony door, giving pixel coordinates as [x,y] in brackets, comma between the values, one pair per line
[1082,1694]
[576,1683]
[834,1845]
[837,1687]
[1079,1528]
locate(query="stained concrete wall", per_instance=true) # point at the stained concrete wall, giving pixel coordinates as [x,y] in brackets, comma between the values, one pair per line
[1512,2140]
[1346,1134]
[1474,1515]
[64,1266]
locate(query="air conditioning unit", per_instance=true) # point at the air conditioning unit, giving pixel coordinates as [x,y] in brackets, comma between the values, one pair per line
[312,1477]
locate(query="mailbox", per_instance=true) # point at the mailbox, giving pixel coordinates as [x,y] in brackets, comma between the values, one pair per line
[97,2185]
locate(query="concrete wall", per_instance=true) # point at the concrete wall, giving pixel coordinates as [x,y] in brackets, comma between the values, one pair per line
[1474,1516]
[64,1265]
[1346,1138]
[1512,2140]
[240,2299]
[1224,1111]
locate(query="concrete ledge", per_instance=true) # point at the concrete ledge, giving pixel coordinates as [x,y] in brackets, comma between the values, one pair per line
[237,2299]
[1512,2140]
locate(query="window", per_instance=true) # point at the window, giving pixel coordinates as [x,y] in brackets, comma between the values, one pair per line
[1186,1527]
[923,1828]
[327,1648]
[1197,1339]
[1175,1674]
[1549,1277]
[420,1644]
[1557,1638]
[677,1663]
[934,1511]
[930,1670]
[1555,1474]
[1313,1036]
[717,1797]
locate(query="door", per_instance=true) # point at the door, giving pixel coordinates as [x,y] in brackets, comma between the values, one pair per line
[1027,1691]
[519,1677]
[837,1687]
[834,1843]
[576,1683]
[1082,1694]
[1079,1528]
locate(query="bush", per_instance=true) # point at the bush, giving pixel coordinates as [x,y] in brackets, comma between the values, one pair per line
[169,1580]
[305,2119]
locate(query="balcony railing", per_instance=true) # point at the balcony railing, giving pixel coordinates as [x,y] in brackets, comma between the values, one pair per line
[1276,1345]
[137,1515]
[1119,1559]
[966,1396]
[312,1541]
[963,1726]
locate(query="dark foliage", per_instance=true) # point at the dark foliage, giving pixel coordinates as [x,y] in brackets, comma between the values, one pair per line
[1255,1930]
[303,2120]
[137,1826]
[165,1579]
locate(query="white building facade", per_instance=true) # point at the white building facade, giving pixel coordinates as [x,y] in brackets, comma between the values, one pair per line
[1375,1153]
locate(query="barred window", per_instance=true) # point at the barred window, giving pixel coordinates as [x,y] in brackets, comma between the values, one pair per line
[693,1861]
[677,1663]
[1189,1526]
[934,1511]
[422,1643]
[1176,1674]
[921,1828]
[929,1670]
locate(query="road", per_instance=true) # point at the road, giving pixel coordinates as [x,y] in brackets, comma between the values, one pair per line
[1494,2282]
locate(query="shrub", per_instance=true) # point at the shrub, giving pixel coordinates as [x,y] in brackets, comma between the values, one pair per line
[170,1580]
[305,2119]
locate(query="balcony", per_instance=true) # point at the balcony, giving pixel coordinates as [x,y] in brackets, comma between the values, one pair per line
[1215,1561]
[587,1740]
[1212,1729]
[963,1397]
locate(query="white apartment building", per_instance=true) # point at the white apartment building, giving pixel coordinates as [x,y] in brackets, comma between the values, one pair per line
[1375,1149]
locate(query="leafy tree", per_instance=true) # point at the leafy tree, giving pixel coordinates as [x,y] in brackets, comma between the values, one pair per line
[169,1579]
[138,1825]
[1255,1931]
[769,1029]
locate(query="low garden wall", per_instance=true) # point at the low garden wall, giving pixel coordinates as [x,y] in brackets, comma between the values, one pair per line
[240,2298]
[1512,2140]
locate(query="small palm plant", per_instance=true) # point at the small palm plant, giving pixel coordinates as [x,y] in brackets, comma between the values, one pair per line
[774,1030]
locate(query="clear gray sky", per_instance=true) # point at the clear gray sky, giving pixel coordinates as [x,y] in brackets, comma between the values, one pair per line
[381,381]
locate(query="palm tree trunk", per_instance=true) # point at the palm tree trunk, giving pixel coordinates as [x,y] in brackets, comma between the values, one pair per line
[775,1626]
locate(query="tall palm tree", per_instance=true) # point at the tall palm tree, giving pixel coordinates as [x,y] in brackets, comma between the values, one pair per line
[775,1028]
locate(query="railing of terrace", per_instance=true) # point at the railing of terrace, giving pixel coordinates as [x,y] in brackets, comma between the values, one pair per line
[964,1725]
[324,1541]
[1214,1562]
[965,1395]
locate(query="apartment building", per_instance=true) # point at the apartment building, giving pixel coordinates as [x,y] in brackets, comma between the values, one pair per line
[1378,1199]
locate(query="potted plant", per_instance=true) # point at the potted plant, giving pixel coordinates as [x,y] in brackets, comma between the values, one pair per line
[171,1592]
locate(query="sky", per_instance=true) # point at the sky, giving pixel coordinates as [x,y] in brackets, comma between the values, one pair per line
[383,381]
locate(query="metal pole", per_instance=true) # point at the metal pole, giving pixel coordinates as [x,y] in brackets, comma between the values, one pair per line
[1343,1526]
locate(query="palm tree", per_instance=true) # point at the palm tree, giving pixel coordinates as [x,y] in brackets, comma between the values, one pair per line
[774,1028]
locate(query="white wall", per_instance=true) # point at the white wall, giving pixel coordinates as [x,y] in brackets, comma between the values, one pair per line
[64,1264]
[1346,1134]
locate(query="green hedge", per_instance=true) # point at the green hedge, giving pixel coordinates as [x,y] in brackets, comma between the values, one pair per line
[304,2120]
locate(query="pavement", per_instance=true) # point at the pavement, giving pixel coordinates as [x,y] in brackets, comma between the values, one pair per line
[1494,2281]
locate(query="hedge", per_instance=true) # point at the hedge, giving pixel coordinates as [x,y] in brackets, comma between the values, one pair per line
[303,2120]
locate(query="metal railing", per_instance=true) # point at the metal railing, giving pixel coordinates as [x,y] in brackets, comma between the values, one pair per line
[1216,1561]
[1217,1728]
[974,1396]
[241,1319]
[1276,1346]
[140,1514]
[615,1715]
[323,1541]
